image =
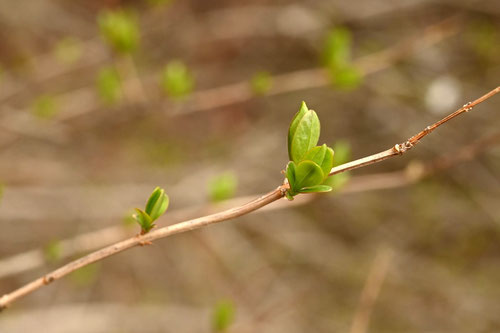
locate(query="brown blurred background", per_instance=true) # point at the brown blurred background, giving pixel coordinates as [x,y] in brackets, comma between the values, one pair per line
[88,131]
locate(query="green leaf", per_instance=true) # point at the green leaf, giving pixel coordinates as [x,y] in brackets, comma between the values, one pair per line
[304,135]
[177,81]
[293,126]
[144,220]
[223,316]
[119,28]
[316,188]
[322,156]
[261,83]
[109,85]
[222,187]
[157,204]
[307,174]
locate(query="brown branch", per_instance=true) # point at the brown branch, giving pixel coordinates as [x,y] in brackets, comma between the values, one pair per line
[90,241]
[231,213]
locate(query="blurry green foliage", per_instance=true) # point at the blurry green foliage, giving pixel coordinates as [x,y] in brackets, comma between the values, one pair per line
[347,77]
[109,85]
[222,187]
[336,57]
[120,30]
[52,251]
[159,2]
[261,83]
[484,38]
[342,155]
[45,107]
[176,80]
[68,50]
[86,275]
[223,316]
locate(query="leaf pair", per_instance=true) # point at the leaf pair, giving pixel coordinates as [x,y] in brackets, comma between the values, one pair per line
[155,207]
[309,164]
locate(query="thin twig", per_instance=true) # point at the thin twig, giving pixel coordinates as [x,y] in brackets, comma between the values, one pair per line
[401,148]
[260,202]
[32,259]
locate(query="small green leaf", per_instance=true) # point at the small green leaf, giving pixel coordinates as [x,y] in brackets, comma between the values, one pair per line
[261,83]
[223,316]
[144,220]
[316,188]
[305,136]
[293,126]
[119,28]
[109,85]
[45,107]
[177,81]
[222,187]
[157,204]
[307,174]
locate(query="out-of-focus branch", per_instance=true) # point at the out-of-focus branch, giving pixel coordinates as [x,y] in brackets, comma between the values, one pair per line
[371,290]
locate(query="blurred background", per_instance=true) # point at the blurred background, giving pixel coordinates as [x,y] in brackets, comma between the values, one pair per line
[101,101]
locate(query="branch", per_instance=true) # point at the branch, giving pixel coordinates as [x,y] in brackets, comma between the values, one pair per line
[93,240]
[260,202]
[401,148]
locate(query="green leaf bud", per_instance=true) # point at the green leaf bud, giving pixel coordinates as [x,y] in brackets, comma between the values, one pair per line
[157,204]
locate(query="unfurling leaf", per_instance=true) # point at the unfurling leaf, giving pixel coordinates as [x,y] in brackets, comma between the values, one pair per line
[303,133]
[155,207]
[157,204]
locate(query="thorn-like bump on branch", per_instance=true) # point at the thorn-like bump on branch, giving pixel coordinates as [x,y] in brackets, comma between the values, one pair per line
[48,279]
[401,148]
[466,107]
